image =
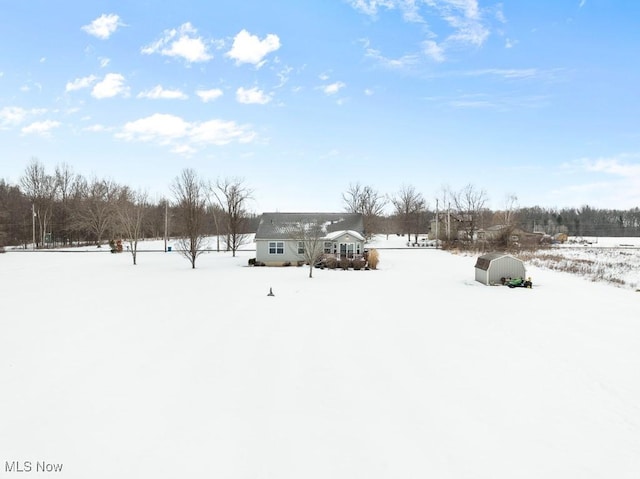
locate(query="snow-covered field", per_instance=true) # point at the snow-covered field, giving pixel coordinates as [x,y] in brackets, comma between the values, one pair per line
[413,370]
[612,260]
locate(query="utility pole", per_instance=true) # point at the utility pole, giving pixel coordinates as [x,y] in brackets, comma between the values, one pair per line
[449,222]
[166,223]
[437,223]
[33,225]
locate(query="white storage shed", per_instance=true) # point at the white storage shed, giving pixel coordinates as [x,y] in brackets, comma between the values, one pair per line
[491,268]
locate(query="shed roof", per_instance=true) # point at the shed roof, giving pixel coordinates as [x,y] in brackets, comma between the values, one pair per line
[485,260]
[279,225]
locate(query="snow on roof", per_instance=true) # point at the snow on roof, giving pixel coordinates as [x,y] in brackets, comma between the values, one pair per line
[337,234]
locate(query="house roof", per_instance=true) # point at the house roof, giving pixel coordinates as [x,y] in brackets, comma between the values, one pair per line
[279,225]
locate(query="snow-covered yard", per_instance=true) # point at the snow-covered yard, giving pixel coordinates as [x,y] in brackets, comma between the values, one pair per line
[413,370]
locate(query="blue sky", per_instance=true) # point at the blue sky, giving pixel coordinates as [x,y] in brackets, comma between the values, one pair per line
[537,98]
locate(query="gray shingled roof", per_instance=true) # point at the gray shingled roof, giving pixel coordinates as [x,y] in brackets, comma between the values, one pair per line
[278,225]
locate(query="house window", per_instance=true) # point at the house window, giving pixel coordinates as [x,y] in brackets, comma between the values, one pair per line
[327,247]
[358,251]
[276,247]
[300,247]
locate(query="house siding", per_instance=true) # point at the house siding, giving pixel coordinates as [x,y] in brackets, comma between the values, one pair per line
[290,253]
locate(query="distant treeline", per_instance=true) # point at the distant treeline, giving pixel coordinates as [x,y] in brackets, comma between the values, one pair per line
[583,221]
[63,208]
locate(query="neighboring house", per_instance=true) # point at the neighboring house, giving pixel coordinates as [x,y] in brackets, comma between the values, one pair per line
[449,226]
[516,235]
[277,241]
[497,232]
[493,268]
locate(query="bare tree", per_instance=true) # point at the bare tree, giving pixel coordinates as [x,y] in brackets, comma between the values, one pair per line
[191,200]
[509,215]
[216,214]
[156,220]
[40,188]
[508,218]
[4,214]
[368,202]
[310,239]
[470,204]
[131,210]
[410,207]
[16,216]
[65,179]
[232,196]
[97,210]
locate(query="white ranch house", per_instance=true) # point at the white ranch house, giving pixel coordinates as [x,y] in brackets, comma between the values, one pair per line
[276,244]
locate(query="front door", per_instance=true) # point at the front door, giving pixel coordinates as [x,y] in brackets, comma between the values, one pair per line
[346,250]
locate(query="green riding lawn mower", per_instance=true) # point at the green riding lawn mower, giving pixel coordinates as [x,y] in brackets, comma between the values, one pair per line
[518,282]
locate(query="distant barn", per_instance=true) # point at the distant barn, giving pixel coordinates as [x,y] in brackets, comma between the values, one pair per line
[491,268]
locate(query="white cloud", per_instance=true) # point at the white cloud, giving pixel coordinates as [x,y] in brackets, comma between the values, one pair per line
[42,128]
[182,136]
[15,115]
[509,73]
[459,22]
[497,101]
[29,85]
[80,83]
[183,43]
[219,132]
[467,31]
[283,75]
[12,115]
[391,63]
[433,50]
[160,127]
[158,92]
[617,166]
[249,48]
[103,26]
[112,85]
[95,128]
[184,150]
[209,95]
[370,7]
[333,88]
[611,181]
[472,104]
[252,95]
